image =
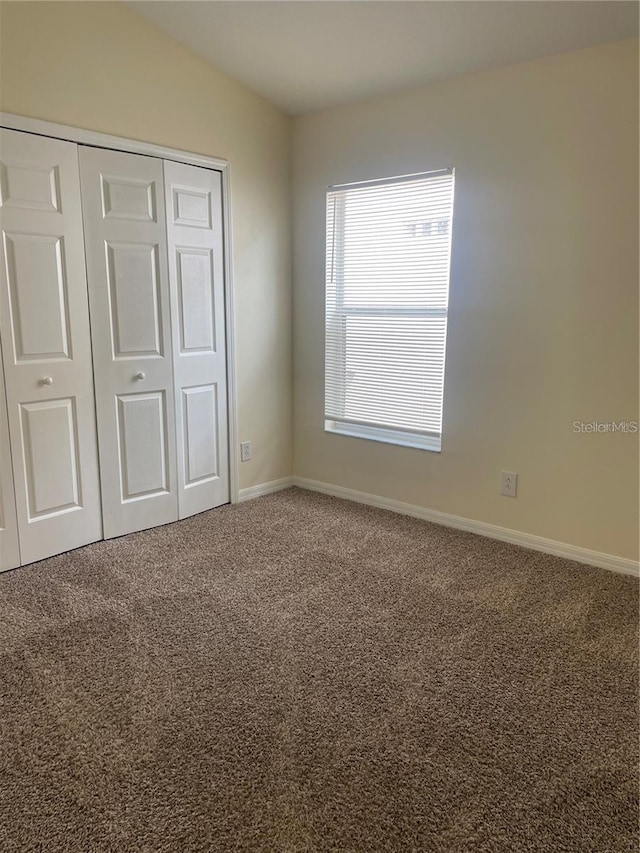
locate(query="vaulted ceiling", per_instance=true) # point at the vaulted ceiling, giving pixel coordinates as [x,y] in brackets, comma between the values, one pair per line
[307,55]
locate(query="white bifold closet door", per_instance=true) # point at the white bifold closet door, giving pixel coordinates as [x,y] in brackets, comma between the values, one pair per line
[196,277]
[44,326]
[126,246]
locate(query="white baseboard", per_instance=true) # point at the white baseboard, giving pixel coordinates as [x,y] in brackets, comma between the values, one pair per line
[492,531]
[264,489]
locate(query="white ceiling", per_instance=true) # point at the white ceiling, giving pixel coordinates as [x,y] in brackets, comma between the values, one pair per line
[310,54]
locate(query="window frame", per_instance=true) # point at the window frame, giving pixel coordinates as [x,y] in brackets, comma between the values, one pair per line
[420,439]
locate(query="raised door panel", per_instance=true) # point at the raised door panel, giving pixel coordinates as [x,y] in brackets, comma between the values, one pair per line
[26,183]
[134,300]
[38,297]
[196,272]
[49,450]
[200,420]
[142,440]
[44,322]
[196,300]
[125,234]
[192,207]
[9,547]
[128,198]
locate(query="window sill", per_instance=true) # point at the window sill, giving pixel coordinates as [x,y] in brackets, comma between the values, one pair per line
[387,436]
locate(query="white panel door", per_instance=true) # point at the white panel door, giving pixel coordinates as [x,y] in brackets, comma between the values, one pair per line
[9,548]
[125,237]
[44,323]
[196,275]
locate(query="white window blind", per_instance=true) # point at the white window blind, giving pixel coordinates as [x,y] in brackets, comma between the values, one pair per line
[387,288]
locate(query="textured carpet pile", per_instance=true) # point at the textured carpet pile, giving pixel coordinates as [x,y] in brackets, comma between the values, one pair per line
[299,673]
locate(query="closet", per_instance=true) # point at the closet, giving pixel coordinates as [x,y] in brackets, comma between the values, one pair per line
[113,404]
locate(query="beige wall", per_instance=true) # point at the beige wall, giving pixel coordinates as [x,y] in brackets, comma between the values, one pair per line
[543,327]
[101,66]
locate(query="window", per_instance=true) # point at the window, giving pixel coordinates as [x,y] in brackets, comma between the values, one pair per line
[387,290]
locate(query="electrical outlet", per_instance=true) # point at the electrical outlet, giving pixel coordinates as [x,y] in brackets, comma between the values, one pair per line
[508,484]
[245,451]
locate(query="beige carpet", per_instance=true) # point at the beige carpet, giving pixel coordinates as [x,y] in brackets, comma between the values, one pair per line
[300,673]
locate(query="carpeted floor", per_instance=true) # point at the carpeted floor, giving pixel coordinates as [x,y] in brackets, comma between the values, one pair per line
[300,673]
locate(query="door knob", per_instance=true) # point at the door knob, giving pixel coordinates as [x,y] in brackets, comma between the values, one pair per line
[139,375]
[46,380]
